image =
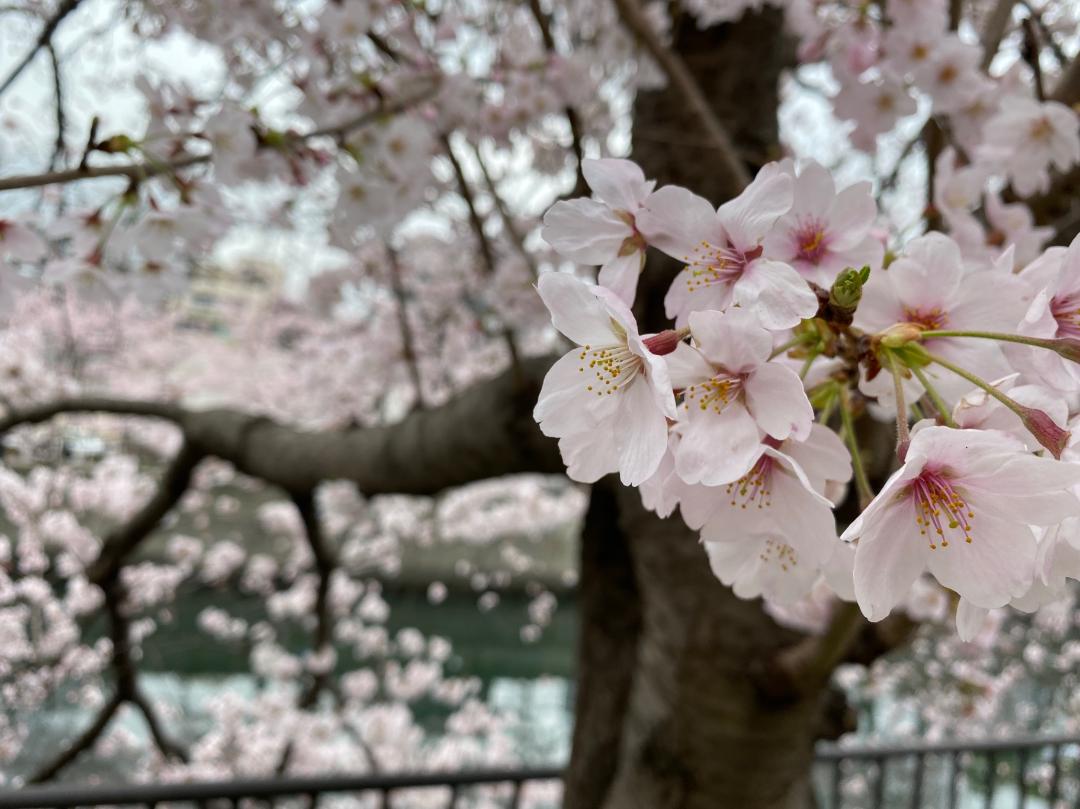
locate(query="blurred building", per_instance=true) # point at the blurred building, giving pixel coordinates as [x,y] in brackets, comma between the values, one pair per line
[220,295]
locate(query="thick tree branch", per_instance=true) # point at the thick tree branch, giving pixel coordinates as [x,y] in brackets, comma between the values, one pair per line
[734,173]
[610,615]
[485,432]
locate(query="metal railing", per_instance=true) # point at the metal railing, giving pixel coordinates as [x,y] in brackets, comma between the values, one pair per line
[268,790]
[1020,773]
[991,774]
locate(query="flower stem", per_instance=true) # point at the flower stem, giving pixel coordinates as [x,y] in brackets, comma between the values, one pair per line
[794,342]
[988,335]
[862,482]
[1037,422]
[935,397]
[903,436]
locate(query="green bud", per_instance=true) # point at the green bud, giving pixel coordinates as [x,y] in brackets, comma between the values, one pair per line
[848,291]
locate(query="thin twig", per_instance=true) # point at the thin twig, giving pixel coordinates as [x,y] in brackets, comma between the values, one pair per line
[683,82]
[44,39]
[505,215]
[408,347]
[544,24]
[146,169]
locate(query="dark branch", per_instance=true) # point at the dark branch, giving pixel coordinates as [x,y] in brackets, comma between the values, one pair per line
[80,745]
[485,432]
[120,542]
[145,170]
[44,39]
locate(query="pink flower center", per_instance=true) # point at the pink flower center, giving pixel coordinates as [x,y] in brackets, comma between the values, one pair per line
[940,509]
[715,393]
[929,319]
[710,264]
[810,239]
[609,368]
[753,488]
[1066,311]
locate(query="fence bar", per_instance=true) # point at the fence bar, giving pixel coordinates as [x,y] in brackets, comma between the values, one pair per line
[991,778]
[1021,778]
[515,796]
[879,784]
[454,793]
[1055,774]
[834,803]
[917,787]
[61,795]
[954,778]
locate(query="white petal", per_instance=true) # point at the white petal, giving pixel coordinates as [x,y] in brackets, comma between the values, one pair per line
[575,309]
[888,561]
[998,564]
[585,231]
[776,293]
[777,401]
[620,275]
[676,221]
[619,183]
[640,433]
[733,340]
[718,448]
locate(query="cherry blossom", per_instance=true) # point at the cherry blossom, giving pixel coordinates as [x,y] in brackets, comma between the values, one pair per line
[607,401]
[724,251]
[732,397]
[825,231]
[962,507]
[603,231]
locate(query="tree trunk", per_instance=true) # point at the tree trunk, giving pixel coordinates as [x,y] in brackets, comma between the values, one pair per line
[696,732]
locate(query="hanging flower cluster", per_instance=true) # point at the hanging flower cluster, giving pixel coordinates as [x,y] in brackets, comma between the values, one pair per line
[792,333]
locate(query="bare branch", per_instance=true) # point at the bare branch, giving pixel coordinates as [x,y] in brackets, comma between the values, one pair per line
[408,349]
[61,123]
[505,215]
[997,22]
[487,250]
[119,543]
[1067,89]
[324,565]
[144,170]
[164,744]
[544,24]
[80,744]
[734,172]
[44,39]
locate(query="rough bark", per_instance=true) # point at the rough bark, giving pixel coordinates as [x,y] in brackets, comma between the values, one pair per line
[697,731]
[609,613]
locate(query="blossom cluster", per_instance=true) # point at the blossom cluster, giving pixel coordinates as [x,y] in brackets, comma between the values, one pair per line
[792,330]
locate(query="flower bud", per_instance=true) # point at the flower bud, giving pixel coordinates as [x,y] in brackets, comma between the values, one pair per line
[1067,347]
[846,291]
[900,334]
[1044,428]
[665,342]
